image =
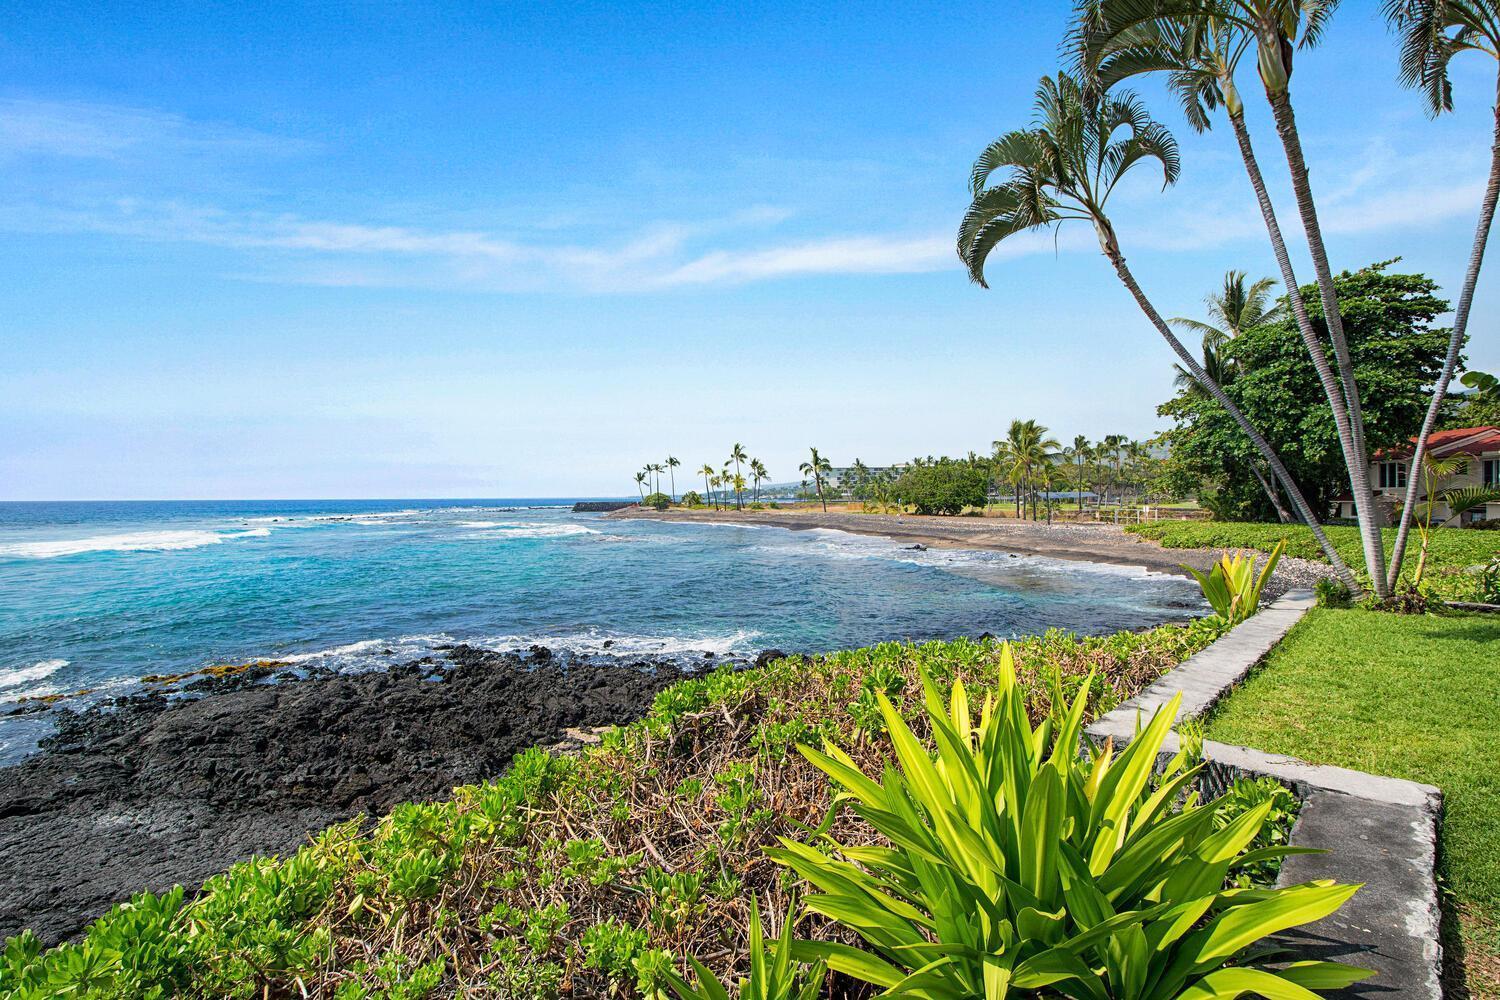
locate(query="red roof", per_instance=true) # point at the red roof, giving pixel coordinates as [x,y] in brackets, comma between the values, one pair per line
[1457,441]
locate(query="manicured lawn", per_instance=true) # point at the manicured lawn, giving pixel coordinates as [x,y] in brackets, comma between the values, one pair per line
[1452,552]
[1414,697]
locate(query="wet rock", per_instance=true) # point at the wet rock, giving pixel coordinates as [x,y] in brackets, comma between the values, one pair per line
[154,791]
[767,657]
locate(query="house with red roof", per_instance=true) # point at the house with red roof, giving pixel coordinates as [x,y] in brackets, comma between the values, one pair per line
[1476,451]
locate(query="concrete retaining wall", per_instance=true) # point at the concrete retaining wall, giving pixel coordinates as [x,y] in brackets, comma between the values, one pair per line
[1380,831]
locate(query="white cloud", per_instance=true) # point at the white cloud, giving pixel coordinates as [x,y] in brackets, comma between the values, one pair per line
[104,131]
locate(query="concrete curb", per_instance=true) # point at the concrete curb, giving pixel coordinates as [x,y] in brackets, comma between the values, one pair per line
[1381,832]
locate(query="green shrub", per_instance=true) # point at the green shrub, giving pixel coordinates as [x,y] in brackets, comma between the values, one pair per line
[1333,593]
[660,501]
[1015,867]
[692,498]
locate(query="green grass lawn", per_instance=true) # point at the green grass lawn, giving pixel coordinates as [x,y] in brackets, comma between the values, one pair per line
[1452,552]
[1409,696]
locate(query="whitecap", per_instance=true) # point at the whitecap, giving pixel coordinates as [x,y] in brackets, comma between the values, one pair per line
[140,541]
[504,530]
[598,642]
[40,670]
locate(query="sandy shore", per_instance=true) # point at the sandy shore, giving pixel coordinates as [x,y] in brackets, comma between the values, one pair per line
[1096,543]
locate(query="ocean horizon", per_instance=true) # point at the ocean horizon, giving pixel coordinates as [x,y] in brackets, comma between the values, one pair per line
[95,595]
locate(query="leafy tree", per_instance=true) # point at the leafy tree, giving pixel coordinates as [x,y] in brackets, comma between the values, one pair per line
[1397,352]
[1482,406]
[945,486]
[658,500]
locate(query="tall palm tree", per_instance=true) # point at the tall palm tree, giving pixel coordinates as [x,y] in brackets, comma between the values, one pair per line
[817,467]
[672,465]
[1109,453]
[707,472]
[1078,452]
[1199,44]
[1432,33]
[640,485]
[1064,168]
[1232,311]
[737,455]
[758,470]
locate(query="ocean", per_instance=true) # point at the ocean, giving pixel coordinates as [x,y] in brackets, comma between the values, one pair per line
[94,595]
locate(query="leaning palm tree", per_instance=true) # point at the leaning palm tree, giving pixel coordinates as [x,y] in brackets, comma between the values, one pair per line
[640,485]
[737,455]
[672,465]
[1064,168]
[707,473]
[1432,33]
[1199,45]
[817,467]
[1232,311]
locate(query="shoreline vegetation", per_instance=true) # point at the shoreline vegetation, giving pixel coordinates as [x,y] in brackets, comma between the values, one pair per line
[586,874]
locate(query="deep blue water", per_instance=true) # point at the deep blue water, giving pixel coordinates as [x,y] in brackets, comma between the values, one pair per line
[94,595]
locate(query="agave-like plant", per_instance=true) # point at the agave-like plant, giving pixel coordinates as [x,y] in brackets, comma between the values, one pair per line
[773,976]
[1232,587]
[1016,868]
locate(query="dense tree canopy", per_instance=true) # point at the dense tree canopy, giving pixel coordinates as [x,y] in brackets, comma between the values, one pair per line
[946,486]
[1397,352]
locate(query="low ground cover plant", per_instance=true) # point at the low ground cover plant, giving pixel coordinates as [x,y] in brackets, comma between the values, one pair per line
[1454,560]
[593,874]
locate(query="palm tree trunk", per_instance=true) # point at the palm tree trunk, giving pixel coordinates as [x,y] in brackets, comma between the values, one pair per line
[1359,463]
[1282,514]
[1455,344]
[1299,503]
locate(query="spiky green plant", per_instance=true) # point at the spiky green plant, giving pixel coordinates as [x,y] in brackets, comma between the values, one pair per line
[1232,587]
[1016,868]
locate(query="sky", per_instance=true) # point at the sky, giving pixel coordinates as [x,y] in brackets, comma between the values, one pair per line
[520,249]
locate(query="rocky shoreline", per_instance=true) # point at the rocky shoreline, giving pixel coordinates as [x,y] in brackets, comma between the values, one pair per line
[153,790]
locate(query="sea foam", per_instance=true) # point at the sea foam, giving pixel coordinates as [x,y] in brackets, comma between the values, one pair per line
[138,541]
[25,675]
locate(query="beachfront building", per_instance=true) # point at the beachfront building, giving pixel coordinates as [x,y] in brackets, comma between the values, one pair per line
[1476,450]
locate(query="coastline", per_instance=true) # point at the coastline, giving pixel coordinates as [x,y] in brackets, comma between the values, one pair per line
[1065,540]
[150,791]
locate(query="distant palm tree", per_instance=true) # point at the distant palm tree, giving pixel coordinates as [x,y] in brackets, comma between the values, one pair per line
[737,455]
[1233,310]
[707,472]
[717,481]
[1432,33]
[640,484]
[1078,451]
[817,467]
[672,465]
[758,470]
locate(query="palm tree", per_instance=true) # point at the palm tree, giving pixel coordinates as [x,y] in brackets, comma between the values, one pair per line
[817,467]
[640,485]
[1432,33]
[1109,454]
[1199,44]
[672,465]
[1079,452]
[1233,311]
[737,455]
[1064,168]
[758,470]
[707,472]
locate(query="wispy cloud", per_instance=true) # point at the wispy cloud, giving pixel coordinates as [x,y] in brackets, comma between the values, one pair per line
[761,242]
[106,131]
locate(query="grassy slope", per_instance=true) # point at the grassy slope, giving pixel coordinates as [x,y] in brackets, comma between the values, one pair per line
[1452,549]
[1409,696]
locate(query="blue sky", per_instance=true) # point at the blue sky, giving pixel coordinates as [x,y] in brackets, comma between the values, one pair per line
[520,249]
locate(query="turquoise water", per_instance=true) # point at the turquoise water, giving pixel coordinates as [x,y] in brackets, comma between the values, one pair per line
[94,595]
